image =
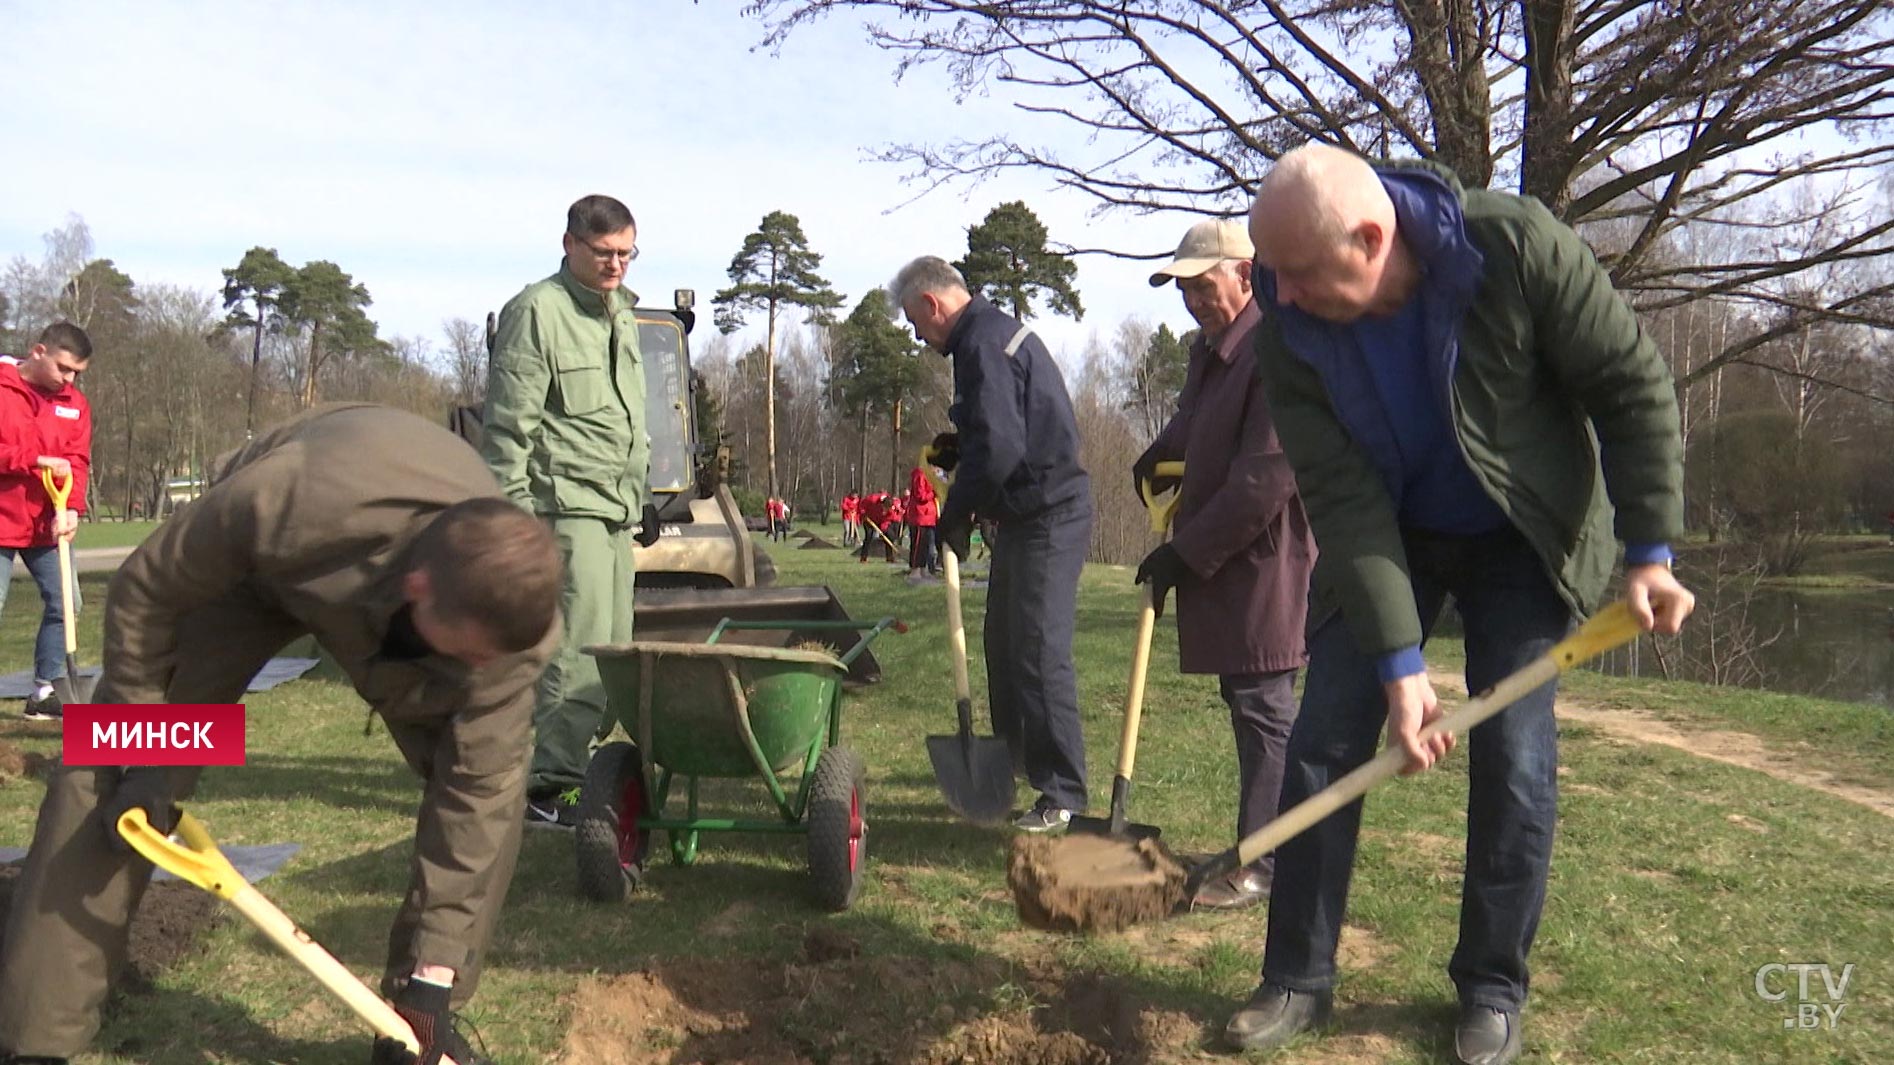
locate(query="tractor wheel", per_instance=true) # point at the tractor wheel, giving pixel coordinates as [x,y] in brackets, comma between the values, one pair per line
[838,827]
[611,847]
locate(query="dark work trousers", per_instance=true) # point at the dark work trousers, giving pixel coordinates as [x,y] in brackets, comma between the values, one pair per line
[921,555]
[1512,615]
[1262,712]
[1032,690]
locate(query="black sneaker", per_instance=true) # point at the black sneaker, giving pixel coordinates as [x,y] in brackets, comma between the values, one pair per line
[46,708]
[559,810]
[1045,816]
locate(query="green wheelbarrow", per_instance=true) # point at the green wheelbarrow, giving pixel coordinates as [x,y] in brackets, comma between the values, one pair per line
[726,710]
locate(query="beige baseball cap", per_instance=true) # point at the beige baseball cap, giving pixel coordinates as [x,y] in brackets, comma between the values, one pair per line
[1206,245]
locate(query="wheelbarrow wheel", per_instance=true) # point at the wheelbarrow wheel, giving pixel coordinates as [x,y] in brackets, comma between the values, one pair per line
[838,827]
[611,847]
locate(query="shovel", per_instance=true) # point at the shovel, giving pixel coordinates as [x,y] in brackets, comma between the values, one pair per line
[191,856]
[1117,825]
[78,689]
[975,772]
[1087,883]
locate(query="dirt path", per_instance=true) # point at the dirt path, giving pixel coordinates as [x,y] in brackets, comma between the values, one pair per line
[1787,763]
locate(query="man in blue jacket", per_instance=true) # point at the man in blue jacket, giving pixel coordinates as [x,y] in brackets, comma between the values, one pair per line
[1018,462]
[1471,410]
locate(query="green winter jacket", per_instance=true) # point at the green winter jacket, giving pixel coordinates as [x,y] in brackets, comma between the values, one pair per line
[564,428]
[1552,363]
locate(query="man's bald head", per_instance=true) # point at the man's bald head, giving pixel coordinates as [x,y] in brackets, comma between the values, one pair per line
[1324,225]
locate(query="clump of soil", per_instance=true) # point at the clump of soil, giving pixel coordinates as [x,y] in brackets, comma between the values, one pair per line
[1088,883]
[170,921]
[15,763]
[817,543]
[865,1011]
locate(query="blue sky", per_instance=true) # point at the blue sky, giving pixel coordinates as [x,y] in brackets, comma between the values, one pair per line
[431,149]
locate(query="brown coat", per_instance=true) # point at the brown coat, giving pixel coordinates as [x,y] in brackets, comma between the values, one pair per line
[304,530]
[1240,526]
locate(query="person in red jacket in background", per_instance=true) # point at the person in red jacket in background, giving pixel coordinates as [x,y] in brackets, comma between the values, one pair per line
[851,518]
[45,424]
[924,515]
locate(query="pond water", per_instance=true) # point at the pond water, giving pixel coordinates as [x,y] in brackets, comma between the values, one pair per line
[1837,645]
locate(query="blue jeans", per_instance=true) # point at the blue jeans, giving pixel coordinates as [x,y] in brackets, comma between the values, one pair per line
[49,650]
[1512,614]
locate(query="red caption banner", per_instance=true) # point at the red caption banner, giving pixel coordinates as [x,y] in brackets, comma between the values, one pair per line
[168,734]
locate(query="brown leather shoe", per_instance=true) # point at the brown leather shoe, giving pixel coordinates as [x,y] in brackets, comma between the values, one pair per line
[1233,891]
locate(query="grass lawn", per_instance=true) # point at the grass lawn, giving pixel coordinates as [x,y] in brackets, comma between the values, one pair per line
[113,533]
[1675,880]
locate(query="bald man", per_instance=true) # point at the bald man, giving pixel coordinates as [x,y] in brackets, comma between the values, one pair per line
[1439,363]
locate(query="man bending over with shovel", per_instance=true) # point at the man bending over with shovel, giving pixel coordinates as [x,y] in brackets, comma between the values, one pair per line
[386,538]
[1438,361]
[1018,461]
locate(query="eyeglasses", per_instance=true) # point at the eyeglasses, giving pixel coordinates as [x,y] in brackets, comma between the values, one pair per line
[602,256]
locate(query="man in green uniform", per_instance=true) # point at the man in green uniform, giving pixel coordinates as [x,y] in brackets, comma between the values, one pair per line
[383,536]
[565,435]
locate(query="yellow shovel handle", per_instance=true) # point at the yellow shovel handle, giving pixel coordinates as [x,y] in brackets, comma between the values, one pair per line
[59,488]
[927,471]
[194,857]
[1611,627]
[1161,511]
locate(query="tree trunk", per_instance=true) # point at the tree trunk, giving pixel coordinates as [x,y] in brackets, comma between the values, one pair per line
[256,370]
[894,451]
[1545,163]
[315,361]
[859,479]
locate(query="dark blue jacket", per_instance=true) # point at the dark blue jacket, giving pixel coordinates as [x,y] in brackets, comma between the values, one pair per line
[1019,444]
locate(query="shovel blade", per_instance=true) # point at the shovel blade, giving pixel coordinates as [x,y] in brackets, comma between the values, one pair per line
[975,774]
[75,687]
[1102,826]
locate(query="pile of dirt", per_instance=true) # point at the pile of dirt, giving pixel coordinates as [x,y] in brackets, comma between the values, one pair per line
[1088,883]
[818,543]
[836,1004]
[15,763]
[170,921]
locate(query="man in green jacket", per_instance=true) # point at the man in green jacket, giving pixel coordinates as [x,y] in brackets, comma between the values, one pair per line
[564,432]
[1472,411]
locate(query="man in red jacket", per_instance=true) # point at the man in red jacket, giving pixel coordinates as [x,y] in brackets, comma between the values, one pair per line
[45,424]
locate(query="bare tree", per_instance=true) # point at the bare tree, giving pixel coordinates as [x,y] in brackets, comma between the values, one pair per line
[1649,115]
[467,354]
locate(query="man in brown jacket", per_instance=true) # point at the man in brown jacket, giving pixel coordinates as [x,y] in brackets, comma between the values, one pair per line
[386,538]
[1240,551]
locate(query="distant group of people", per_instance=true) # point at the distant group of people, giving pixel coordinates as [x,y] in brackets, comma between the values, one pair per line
[887,519]
[777,512]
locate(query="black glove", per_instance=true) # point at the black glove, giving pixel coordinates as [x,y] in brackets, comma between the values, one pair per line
[424,1006]
[649,528]
[1145,469]
[144,787]
[946,449]
[956,536]
[1165,569]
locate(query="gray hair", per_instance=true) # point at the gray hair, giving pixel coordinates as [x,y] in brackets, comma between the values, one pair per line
[929,273]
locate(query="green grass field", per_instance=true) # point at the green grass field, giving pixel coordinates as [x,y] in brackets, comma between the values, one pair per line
[1675,880]
[112,533]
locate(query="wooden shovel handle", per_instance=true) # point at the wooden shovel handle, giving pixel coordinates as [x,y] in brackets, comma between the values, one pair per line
[956,629]
[1134,697]
[1611,627]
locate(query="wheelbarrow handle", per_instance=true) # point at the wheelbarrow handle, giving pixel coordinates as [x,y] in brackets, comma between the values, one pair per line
[194,858]
[1161,511]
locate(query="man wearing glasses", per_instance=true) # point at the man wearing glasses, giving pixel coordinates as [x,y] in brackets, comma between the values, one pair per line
[565,436]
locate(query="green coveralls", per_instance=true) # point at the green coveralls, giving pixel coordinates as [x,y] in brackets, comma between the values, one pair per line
[565,435]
